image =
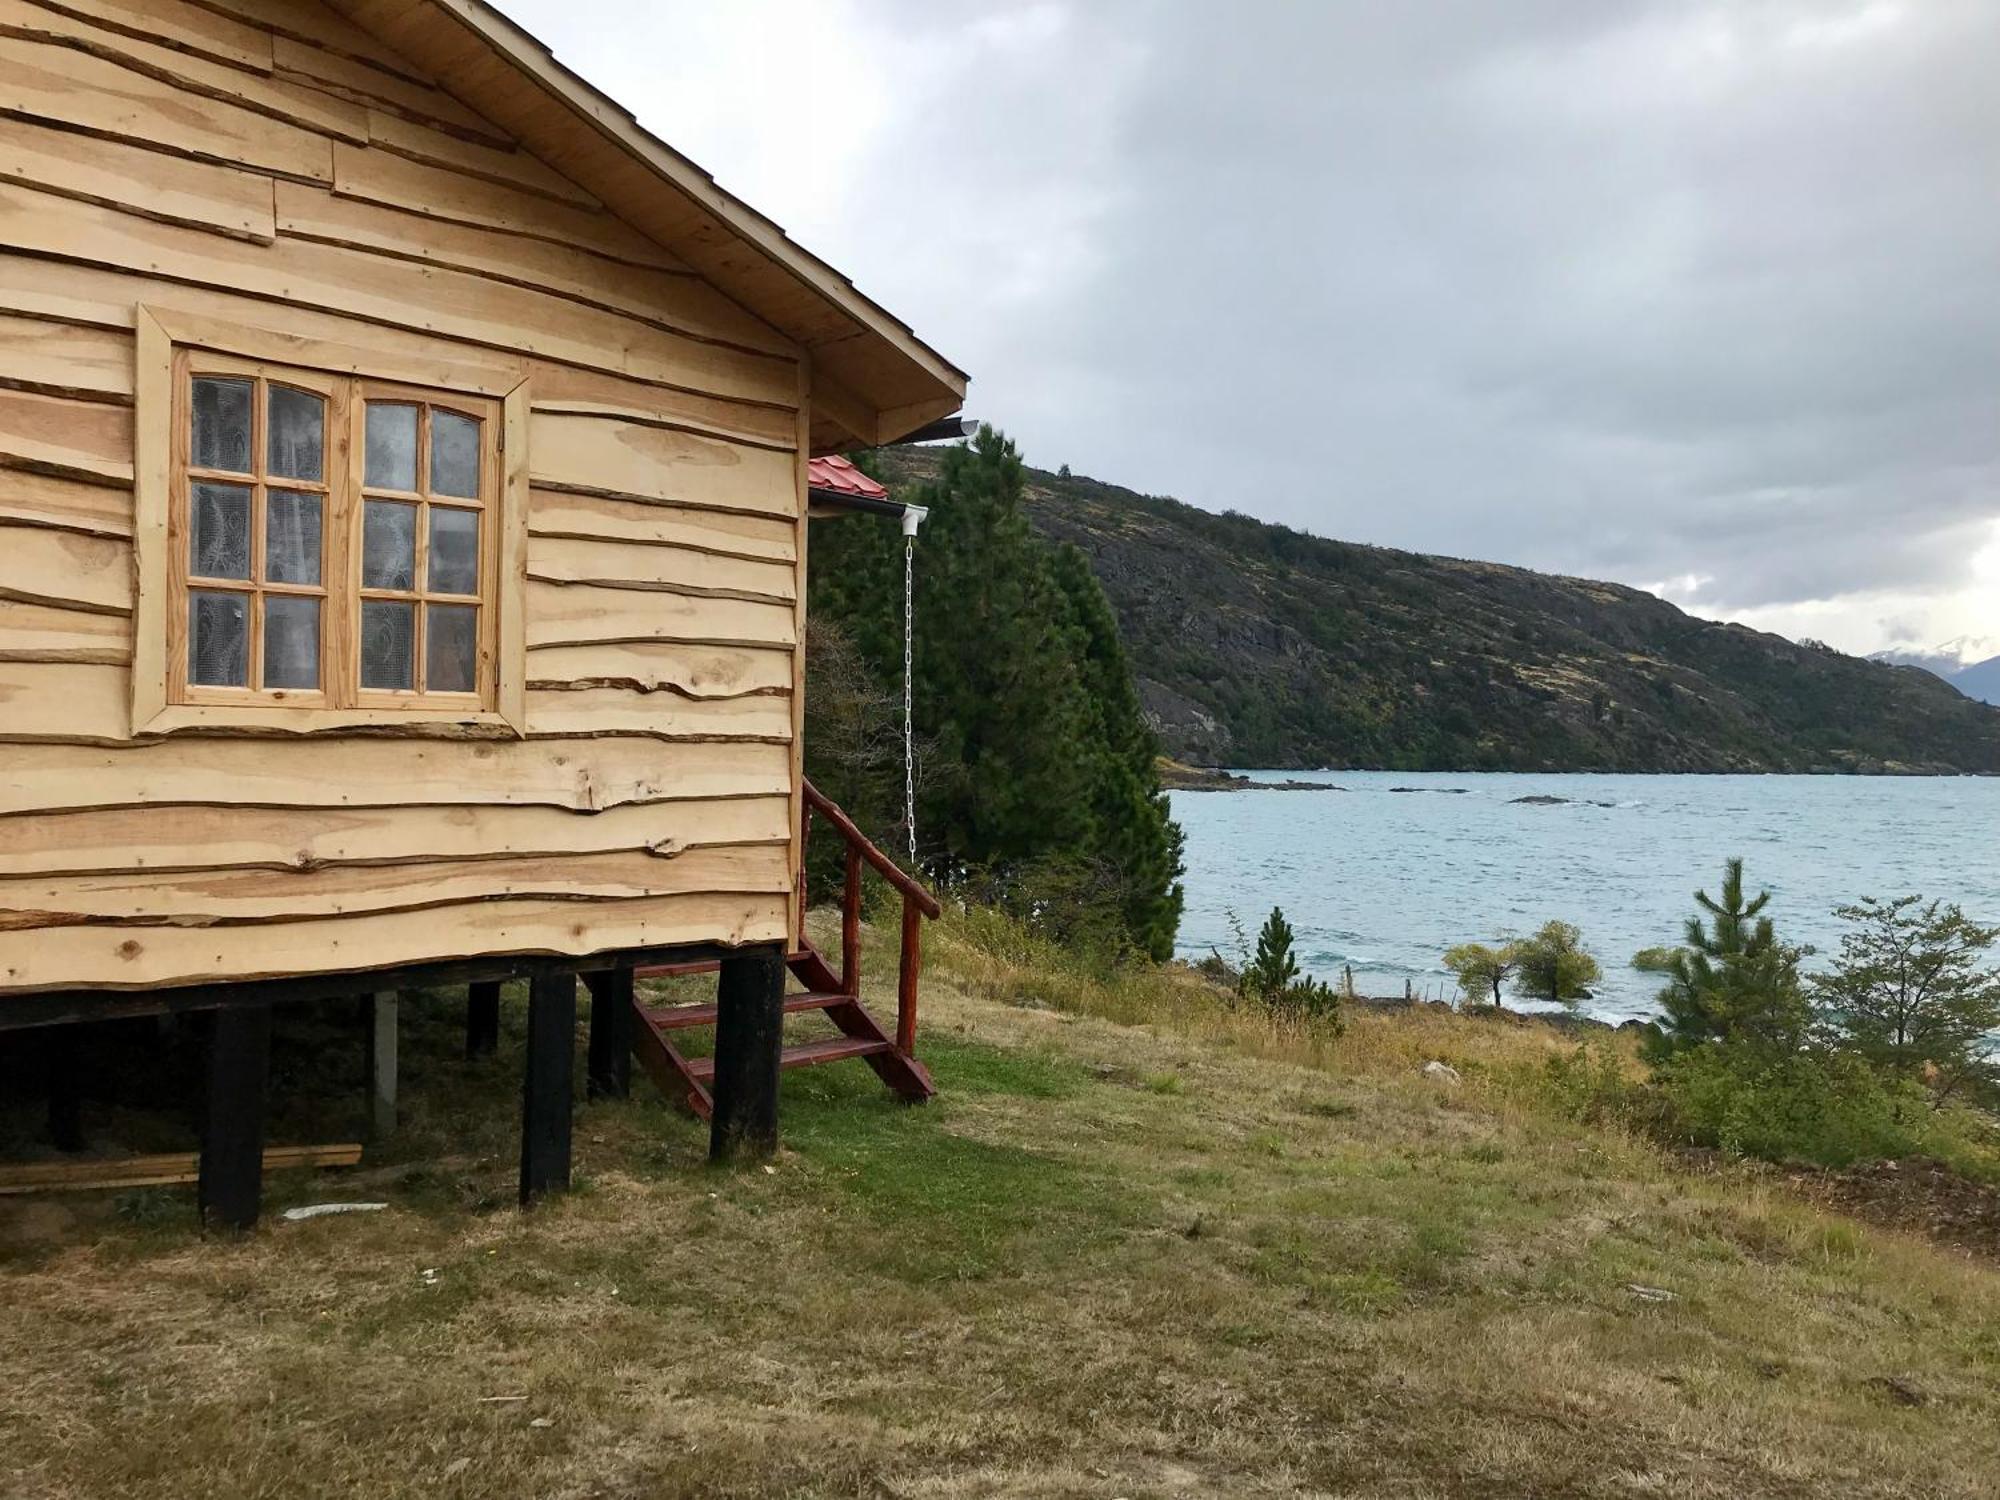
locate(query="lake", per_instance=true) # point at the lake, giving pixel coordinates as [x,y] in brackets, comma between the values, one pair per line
[1388,871]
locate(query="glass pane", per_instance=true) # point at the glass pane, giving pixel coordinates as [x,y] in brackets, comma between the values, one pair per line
[388,644]
[291,642]
[392,445]
[296,437]
[219,539]
[389,545]
[454,455]
[222,425]
[454,551]
[291,537]
[451,648]
[219,639]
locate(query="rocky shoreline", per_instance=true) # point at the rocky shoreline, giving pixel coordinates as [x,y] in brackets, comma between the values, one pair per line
[1176,777]
[1568,1022]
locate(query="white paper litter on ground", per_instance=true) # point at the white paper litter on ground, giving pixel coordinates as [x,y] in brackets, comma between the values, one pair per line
[315,1210]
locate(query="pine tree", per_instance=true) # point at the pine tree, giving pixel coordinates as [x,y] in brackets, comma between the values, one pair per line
[1732,980]
[1038,776]
[1274,969]
[1135,833]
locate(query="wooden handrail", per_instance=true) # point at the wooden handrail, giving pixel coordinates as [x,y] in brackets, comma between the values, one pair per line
[886,867]
[918,903]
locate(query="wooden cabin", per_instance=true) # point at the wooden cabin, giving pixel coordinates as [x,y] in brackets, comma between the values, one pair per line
[403,493]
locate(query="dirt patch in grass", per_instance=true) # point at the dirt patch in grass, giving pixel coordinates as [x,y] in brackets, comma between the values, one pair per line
[1919,1195]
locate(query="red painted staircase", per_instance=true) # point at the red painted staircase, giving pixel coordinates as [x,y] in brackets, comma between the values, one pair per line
[837,995]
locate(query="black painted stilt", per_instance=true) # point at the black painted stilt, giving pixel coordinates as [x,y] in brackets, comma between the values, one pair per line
[65,1066]
[749,1035]
[231,1176]
[546,1087]
[609,1075]
[482,1020]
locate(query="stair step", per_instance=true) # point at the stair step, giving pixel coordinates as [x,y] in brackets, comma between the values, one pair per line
[698,966]
[834,1049]
[679,1017]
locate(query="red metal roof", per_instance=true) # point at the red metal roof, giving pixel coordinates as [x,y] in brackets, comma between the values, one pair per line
[835,473]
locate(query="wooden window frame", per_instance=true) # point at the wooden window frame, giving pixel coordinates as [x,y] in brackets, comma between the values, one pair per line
[173,348]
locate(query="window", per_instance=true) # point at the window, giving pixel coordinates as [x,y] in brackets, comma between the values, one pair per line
[427,477]
[253,507]
[332,543]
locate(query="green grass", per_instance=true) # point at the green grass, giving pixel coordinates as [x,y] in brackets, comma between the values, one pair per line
[1139,1245]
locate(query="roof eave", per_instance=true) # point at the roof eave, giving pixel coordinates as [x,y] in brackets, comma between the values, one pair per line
[894,381]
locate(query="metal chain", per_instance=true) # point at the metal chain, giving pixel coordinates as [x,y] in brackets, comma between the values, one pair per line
[909,730]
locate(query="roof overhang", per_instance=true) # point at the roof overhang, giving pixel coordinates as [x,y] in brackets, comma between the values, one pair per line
[835,487]
[873,379]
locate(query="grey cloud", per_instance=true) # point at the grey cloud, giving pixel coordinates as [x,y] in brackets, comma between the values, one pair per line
[1635,290]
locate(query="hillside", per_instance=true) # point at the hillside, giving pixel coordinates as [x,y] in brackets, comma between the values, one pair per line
[1976,679]
[1258,645]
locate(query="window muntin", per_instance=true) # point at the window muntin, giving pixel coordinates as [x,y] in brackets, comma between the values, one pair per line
[253,565]
[304,577]
[426,498]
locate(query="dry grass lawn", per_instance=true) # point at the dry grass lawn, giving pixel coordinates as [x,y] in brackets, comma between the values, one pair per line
[1138,1247]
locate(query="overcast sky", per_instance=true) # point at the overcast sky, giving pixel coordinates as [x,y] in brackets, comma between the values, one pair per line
[1699,297]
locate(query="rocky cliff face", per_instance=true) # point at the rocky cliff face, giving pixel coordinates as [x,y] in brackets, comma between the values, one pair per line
[1259,645]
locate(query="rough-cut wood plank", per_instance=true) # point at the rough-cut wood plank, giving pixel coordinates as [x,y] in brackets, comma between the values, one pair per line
[365,85]
[508,165]
[290,839]
[44,633]
[66,504]
[154,185]
[559,513]
[166,1170]
[649,565]
[691,671]
[311,22]
[65,568]
[44,81]
[307,108]
[397,182]
[564,388]
[208,898]
[562,614]
[63,702]
[674,301]
[605,456]
[90,704]
[58,359]
[583,775]
[453,303]
[87,440]
[105,298]
[118,958]
[431,363]
[179,24]
[667,716]
[156,440]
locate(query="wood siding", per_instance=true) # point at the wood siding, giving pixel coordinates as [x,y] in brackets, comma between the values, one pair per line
[271,166]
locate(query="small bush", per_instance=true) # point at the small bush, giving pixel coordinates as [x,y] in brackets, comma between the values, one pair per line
[1593,1085]
[1815,1107]
[1658,960]
[1310,999]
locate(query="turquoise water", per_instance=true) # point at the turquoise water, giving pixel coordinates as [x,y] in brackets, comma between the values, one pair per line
[1386,880]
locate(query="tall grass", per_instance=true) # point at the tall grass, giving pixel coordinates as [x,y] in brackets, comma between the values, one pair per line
[999,957]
